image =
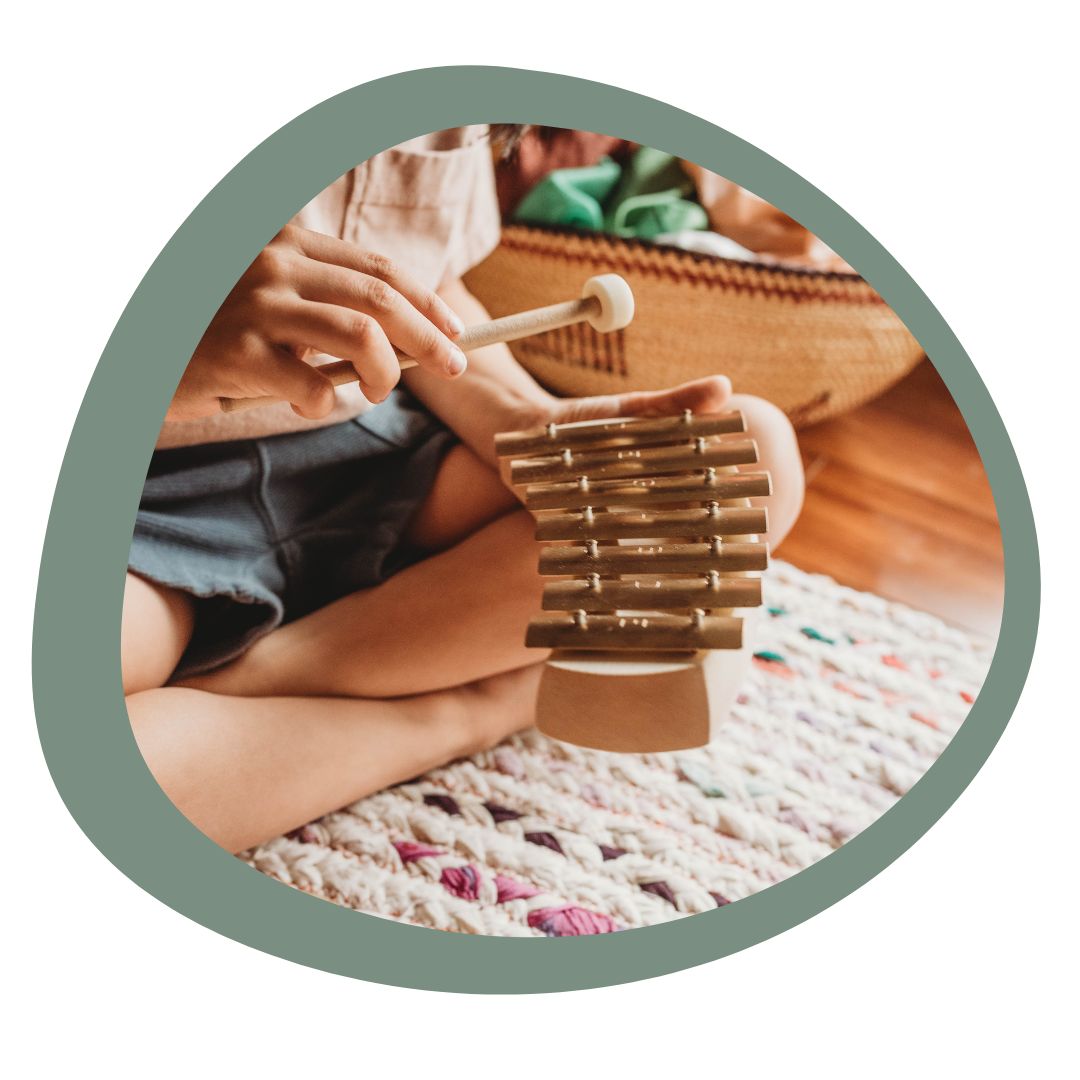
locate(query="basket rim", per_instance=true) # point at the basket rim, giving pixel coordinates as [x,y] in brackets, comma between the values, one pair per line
[804,272]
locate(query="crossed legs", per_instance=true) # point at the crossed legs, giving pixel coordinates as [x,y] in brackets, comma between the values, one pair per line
[378,686]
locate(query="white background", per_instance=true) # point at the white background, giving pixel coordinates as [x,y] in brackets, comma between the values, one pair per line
[946,131]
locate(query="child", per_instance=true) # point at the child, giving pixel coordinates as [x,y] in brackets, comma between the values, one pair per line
[328,596]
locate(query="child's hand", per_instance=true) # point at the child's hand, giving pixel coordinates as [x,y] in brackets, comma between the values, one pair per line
[306,291]
[708,395]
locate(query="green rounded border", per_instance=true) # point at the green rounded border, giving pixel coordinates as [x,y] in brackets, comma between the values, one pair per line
[82,721]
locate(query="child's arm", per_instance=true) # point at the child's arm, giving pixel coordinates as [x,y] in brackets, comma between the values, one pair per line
[497,394]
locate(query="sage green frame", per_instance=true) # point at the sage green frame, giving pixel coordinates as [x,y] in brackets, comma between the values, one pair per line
[82,721]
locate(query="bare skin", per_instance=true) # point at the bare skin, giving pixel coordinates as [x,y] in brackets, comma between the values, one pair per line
[245,769]
[323,711]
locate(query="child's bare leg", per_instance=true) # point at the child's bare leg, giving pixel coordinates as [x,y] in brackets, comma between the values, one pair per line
[466,496]
[451,619]
[246,769]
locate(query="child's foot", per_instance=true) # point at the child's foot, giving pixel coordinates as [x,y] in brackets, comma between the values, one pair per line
[499,706]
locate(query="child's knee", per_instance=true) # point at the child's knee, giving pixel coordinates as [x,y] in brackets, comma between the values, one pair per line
[466,496]
[778,451]
[156,627]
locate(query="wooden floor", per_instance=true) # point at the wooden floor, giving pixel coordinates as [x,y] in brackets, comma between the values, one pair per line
[897,503]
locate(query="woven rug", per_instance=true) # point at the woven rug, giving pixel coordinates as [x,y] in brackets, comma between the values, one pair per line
[850,700]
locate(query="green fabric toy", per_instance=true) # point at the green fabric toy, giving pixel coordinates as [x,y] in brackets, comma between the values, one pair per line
[648,197]
[570,197]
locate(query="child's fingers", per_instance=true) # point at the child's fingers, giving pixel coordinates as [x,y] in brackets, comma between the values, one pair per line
[707,395]
[351,336]
[407,329]
[288,377]
[334,252]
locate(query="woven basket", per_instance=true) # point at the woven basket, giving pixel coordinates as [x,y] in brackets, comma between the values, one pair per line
[815,343]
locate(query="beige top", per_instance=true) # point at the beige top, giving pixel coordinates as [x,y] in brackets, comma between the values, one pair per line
[429,204]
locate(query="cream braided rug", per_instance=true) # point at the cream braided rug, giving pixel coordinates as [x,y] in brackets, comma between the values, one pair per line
[850,700]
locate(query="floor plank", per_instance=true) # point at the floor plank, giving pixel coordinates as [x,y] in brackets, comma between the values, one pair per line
[898,503]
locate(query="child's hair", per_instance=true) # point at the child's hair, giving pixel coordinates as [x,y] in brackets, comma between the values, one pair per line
[506,138]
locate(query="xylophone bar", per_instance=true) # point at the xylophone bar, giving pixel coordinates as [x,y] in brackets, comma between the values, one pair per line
[652,594]
[615,433]
[578,560]
[633,632]
[638,525]
[652,461]
[663,490]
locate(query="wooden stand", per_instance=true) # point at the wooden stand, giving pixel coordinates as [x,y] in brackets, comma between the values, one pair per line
[635,706]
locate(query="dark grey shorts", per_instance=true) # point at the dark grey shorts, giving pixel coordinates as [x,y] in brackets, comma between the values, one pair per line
[264,531]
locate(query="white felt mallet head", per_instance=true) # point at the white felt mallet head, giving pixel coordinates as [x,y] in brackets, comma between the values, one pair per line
[616,302]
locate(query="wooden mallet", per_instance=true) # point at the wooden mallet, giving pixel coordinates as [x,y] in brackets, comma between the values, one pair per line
[606,304]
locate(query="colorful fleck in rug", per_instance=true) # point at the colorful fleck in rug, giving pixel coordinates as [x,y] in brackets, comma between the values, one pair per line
[851,699]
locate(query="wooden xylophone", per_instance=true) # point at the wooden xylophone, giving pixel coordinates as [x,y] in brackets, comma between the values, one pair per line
[655,554]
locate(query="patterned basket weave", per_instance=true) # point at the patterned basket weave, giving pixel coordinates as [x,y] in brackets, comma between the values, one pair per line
[814,343]
[850,700]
